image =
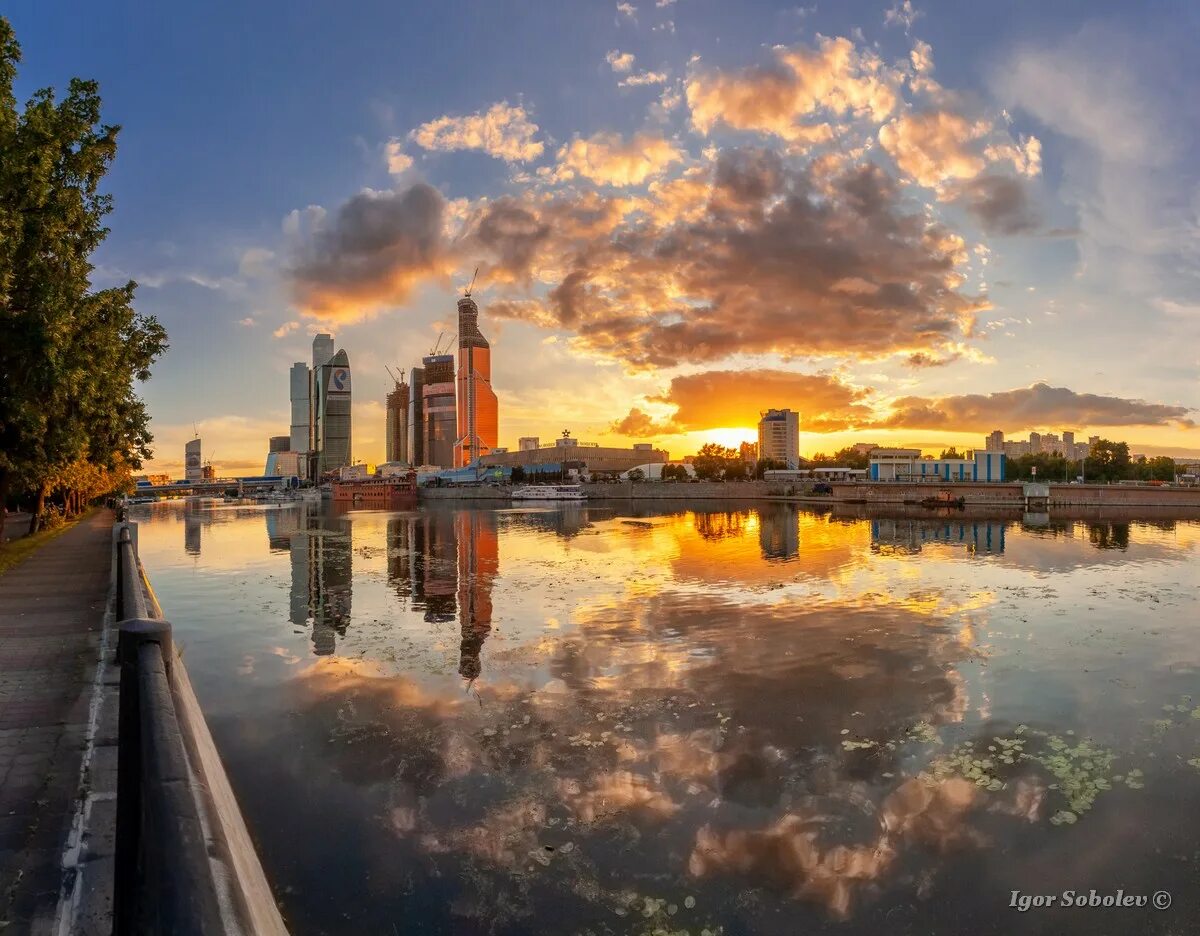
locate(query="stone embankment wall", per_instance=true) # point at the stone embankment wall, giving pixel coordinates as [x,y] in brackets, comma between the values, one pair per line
[984,495]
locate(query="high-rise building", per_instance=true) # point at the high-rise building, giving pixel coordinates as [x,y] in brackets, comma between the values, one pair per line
[193,469]
[331,416]
[478,426]
[396,443]
[279,444]
[416,417]
[299,389]
[322,348]
[779,437]
[1035,443]
[440,413]
[995,442]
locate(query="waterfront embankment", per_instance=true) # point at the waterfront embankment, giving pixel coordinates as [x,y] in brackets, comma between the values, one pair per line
[982,495]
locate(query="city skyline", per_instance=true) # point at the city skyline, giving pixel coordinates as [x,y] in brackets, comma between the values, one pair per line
[1006,251]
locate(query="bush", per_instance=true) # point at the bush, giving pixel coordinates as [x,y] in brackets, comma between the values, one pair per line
[51,518]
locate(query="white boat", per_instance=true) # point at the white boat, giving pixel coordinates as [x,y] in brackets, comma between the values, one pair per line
[549,492]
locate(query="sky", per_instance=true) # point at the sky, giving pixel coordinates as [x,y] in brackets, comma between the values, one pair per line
[911,222]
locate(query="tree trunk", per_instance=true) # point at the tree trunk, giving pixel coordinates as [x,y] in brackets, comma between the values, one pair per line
[3,500]
[39,505]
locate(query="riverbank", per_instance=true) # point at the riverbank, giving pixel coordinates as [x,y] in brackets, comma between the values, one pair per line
[984,495]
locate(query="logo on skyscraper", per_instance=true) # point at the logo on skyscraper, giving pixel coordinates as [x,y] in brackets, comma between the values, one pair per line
[341,380]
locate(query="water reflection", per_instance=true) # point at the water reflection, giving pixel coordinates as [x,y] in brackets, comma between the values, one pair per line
[910,534]
[787,717]
[322,568]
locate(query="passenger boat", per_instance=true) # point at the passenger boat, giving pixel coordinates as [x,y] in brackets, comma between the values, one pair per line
[375,490]
[549,492]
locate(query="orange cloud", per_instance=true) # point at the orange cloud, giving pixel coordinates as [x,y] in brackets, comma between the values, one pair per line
[792,98]
[717,399]
[1030,408]
[607,159]
[503,131]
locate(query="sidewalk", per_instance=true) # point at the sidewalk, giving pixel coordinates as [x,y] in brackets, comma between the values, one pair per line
[51,615]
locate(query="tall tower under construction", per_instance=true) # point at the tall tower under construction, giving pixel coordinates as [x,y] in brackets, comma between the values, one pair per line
[397,422]
[478,424]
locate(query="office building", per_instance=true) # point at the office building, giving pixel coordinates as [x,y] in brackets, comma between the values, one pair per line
[396,442]
[779,437]
[477,425]
[299,389]
[279,444]
[331,413]
[416,416]
[322,350]
[193,469]
[528,443]
[440,412]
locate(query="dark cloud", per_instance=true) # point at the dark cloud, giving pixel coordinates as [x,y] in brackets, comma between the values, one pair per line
[378,246]
[1030,408]
[717,399]
[1000,204]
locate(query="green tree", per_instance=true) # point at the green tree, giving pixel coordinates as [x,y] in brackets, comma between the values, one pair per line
[847,457]
[767,464]
[736,470]
[951,452]
[711,461]
[70,356]
[636,474]
[1109,461]
[518,475]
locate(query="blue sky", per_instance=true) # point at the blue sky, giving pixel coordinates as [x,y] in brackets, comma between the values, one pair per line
[1077,269]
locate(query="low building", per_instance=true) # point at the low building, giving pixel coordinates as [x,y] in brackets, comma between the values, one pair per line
[653,471]
[286,464]
[825,473]
[567,453]
[907,465]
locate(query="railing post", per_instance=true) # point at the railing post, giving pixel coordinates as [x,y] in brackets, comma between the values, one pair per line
[127,885]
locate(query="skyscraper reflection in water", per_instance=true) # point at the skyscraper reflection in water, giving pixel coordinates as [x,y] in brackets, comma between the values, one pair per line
[478,563]
[444,562]
[322,571]
[779,531]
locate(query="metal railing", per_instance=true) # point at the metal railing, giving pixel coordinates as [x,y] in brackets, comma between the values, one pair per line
[163,877]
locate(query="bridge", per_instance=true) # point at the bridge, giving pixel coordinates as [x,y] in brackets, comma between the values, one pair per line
[216,486]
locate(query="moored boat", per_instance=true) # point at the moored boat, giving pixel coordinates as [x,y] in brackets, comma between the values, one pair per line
[549,492]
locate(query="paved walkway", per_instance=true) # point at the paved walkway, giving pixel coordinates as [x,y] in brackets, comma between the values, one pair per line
[51,615]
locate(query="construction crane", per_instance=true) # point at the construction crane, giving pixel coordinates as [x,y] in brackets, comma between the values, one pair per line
[437,346]
[390,374]
[467,294]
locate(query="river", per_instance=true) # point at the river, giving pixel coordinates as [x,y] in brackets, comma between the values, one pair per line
[760,719]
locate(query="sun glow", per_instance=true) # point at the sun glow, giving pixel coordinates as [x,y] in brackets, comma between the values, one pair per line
[729,437]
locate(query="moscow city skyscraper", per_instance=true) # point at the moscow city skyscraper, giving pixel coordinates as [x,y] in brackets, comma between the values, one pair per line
[478,425]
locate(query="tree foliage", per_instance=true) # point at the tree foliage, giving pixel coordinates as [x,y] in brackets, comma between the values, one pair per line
[848,457]
[714,461]
[71,356]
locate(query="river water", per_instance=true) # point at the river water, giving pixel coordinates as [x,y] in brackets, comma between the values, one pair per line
[757,719]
